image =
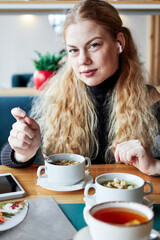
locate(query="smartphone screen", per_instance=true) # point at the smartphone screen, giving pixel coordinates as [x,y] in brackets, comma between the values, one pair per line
[10,187]
[8,184]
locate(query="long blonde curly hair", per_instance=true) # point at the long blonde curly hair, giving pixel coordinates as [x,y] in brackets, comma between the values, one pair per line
[65,111]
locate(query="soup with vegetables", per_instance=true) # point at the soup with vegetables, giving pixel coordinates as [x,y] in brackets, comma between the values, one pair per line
[117,215]
[66,162]
[119,184]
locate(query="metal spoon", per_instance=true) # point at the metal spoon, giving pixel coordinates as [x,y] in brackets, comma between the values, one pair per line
[47,158]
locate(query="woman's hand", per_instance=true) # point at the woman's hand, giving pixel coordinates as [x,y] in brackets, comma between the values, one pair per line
[132,152]
[25,136]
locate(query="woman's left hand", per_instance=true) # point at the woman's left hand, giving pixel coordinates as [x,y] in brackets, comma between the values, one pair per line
[132,152]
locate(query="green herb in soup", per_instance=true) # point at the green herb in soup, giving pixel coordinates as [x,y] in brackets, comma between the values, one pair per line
[66,162]
[119,184]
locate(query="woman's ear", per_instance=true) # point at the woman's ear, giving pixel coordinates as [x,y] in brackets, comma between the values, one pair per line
[120,42]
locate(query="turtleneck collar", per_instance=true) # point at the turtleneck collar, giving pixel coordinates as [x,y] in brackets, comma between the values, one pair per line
[103,88]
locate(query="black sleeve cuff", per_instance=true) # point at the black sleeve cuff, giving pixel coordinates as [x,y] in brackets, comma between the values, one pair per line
[7,158]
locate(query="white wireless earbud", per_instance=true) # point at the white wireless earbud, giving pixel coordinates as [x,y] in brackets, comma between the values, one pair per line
[120,47]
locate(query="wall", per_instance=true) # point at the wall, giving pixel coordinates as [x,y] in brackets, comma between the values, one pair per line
[22,34]
[140,29]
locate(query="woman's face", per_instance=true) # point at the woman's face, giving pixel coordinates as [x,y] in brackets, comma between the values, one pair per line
[92,52]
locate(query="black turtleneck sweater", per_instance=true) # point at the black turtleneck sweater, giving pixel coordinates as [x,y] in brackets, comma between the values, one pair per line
[101,95]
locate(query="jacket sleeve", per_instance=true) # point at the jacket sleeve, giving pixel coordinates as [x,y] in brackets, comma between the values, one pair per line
[156,112]
[7,158]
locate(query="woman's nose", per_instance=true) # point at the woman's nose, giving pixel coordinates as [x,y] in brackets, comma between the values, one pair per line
[84,58]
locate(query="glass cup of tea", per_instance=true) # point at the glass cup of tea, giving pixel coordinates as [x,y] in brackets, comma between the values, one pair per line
[119,220]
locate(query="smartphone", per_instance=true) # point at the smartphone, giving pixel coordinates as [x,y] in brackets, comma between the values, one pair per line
[10,187]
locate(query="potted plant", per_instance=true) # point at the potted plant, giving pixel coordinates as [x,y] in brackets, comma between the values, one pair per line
[46,66]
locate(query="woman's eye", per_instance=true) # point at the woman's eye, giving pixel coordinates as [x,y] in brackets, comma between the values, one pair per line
[73,51]
[94,45]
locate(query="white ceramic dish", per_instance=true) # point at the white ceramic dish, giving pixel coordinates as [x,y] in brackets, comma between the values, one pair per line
[84,234]
[15,220]
[43,182]
[99,230]
[89,204]
[64,175]
[107,194]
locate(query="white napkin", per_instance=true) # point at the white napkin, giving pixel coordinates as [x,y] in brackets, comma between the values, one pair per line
[44,221]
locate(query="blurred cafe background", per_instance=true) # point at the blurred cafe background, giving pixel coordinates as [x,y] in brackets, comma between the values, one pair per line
[30,26]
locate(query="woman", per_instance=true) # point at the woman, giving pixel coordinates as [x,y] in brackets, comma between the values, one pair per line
[97,104]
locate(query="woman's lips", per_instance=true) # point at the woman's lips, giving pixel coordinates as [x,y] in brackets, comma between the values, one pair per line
[89,73]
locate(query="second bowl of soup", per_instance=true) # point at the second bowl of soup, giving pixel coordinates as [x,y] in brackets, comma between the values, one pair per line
[117,187]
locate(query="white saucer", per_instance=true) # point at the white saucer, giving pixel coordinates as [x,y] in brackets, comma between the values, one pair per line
[43,182]
[84,234]
[91,202]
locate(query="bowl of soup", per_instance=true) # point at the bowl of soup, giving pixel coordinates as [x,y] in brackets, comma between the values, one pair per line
[64,169]
[117,187]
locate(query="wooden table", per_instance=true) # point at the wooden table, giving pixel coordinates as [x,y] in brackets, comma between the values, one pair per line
[28,179]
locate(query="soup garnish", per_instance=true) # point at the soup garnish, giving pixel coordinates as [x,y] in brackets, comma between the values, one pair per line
[117,215]
[119,184]
[66,162]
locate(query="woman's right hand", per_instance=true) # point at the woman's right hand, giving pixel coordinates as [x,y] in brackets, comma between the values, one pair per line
[25,136]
